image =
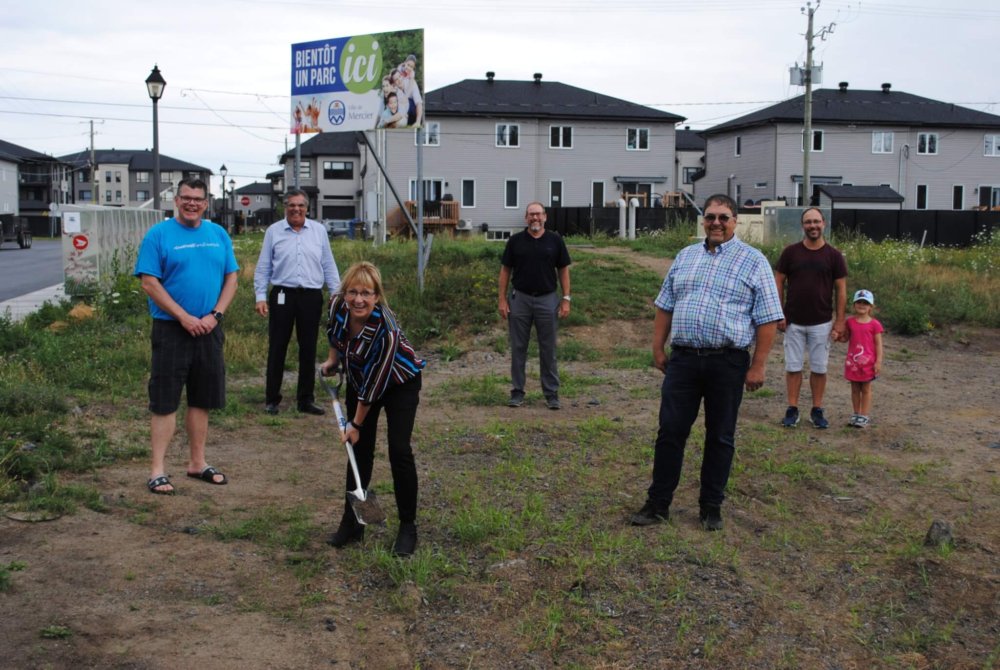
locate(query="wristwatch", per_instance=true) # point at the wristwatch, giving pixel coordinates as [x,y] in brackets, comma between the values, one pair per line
[567,298]
[218,316]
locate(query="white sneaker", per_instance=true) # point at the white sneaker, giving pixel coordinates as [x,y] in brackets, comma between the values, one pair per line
[862,421]
[853,421]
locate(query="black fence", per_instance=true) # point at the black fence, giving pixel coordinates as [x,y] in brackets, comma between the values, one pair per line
[934,227]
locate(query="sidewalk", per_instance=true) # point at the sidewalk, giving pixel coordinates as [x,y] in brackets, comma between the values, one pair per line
[22,306]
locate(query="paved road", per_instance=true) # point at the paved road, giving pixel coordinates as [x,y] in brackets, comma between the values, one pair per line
[27,270]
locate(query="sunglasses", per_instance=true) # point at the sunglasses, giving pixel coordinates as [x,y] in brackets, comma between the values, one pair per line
[723,218]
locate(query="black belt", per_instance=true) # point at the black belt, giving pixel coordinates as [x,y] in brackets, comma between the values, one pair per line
[296,289]
[705,351]
[535,294]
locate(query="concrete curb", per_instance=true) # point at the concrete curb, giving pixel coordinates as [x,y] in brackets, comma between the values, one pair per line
[22,306]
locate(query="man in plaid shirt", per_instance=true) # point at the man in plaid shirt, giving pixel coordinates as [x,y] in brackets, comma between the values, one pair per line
[717,300]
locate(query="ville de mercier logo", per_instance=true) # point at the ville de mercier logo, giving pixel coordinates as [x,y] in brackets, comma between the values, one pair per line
[336,112]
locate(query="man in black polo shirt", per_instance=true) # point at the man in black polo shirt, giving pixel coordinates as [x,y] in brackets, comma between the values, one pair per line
[534,257]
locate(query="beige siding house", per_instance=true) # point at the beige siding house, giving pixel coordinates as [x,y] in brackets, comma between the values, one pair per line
[935,155]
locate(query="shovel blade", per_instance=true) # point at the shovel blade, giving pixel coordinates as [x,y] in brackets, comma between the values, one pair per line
[366,510]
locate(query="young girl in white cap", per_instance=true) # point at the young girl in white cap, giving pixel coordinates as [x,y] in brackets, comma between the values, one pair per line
[864,356]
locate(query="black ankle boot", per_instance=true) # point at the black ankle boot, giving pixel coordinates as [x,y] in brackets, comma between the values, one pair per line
[349,531]
[406,540]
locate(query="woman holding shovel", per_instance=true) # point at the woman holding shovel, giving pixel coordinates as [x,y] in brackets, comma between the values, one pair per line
[383,372]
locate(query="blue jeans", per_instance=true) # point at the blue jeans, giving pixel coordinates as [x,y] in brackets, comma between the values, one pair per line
[719,380]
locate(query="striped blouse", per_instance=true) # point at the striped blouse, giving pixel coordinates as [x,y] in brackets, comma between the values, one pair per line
[378,357]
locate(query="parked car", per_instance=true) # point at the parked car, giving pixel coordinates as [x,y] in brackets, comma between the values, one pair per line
[339,227]
[14,229]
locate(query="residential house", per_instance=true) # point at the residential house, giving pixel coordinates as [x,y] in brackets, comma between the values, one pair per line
[936,155]
[492,146]
[254,203]
[329,172]
[495,145]
[124,178]
[30,181]
[690,160]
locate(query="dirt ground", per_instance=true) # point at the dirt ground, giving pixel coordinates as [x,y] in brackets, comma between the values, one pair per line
[141,587]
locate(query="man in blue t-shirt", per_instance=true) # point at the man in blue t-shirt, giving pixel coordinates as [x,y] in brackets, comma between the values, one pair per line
[188,270]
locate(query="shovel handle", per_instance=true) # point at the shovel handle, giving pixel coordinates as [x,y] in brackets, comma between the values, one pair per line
[342,421]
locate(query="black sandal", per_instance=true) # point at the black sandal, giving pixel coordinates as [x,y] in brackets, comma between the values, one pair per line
[208,475]
[163,480]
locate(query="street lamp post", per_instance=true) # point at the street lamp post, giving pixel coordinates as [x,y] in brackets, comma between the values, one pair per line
[155,85]
[232,194]
[223,171]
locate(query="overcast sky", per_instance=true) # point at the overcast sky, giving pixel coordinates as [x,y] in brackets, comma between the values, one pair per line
[227,62]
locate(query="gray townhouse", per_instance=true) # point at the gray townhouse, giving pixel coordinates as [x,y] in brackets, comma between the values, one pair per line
[492,146]
[125,177]
[330,172]
[30,181]
[866,145]
[690,160]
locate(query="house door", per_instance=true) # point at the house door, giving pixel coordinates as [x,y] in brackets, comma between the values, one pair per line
[555,194]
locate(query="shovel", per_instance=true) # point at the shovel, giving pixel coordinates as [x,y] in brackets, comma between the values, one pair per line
[364,503]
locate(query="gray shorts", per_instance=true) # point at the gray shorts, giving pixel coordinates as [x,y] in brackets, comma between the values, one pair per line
[812,339]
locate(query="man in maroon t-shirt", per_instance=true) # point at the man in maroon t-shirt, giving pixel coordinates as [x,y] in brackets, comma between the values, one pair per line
[809,273]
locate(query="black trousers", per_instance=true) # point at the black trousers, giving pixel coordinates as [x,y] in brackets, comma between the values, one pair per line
[400,404]
[302,311]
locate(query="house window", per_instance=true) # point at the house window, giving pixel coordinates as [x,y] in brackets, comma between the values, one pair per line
[760,185]
[991,145]
[508,135]
[560,137]
[957,196]
[497,235]
[338,169]
[989,196]
[118,196]
[433,188]
[921,196]
[118,176]
[165,179]
[510,194]
[689,173]
[738,146]
[305,170]
[597,194]
[107,196]
[432,134]
[468,193]
[555,193]
[84,175]
[142,196]
[637,139]
[107,176]
[85,195]
[817,140]
[882,142]
[142,177]
[927,143]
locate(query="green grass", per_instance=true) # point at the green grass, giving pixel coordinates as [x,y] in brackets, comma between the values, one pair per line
[526,517]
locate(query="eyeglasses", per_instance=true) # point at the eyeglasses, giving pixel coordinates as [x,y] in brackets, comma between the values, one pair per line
[190,199]
[295,206]
[354,293]
[723,218]
[812,221]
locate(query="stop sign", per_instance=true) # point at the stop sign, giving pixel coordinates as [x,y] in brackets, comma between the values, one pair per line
[245,200]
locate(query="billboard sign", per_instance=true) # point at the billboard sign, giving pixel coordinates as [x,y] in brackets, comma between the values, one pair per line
[360,82]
